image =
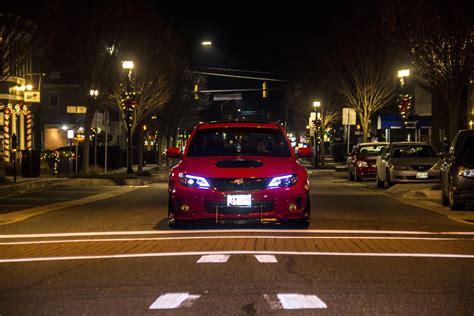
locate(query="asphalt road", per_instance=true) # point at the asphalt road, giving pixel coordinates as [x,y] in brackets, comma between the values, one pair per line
[365,253]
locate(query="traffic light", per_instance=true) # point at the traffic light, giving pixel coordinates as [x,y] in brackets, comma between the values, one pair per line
[196,92]
[264,89]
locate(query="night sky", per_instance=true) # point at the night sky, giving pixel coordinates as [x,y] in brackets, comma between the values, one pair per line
[268,36]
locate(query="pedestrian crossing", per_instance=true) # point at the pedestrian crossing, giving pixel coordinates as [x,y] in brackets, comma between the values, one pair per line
[290,301]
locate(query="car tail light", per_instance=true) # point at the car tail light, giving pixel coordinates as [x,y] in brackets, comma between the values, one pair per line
[362,164]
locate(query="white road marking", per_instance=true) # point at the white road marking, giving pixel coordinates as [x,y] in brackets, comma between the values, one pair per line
[214,259]
[266,258]
[173,300]
[294,231]
[231,237]
[236,252]
[300,301]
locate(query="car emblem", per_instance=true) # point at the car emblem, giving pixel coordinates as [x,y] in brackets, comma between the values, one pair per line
[239,181]
[421,168]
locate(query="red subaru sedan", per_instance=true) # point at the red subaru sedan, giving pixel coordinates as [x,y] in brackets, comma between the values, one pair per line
[238,172]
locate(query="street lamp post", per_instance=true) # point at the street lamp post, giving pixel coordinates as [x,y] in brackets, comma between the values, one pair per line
[316,105]
[128,105]
[94,93]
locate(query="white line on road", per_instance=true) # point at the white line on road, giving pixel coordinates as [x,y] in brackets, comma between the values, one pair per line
[171,232]
[173,300]
[266,258]
[237,252]
[300,301]
[232,237]
[214,259]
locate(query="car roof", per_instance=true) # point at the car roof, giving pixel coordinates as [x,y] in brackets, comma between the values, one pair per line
[466,131]
[408,143]
[236,124]
[372,144]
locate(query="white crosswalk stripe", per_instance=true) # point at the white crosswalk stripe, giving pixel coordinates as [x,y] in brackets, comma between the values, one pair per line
[266,258]
[214,259]
[174,300]
[300,301]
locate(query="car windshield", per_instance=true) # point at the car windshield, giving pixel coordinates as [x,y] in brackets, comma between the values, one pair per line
[466,149]
[372,150]
[413,151]
[238,141]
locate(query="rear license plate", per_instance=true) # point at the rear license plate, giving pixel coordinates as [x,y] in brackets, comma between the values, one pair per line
[239,200]
[422,175]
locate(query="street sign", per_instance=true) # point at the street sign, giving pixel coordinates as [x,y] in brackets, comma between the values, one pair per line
[32,96]
[348,116]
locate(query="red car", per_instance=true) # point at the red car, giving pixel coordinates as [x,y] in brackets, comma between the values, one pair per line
[238,172]
[361,161]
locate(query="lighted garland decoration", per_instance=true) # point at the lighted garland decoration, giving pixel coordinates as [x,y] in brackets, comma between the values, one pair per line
[405,106]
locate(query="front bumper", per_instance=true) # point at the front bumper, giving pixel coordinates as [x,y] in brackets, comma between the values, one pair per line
[410,176]
[210,206]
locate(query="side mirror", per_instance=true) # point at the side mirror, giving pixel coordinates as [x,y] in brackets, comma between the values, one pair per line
[173,153]
[304,152]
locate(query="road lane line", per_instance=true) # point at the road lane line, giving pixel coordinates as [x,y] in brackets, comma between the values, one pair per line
[214,259]
[266,258]
[173,232]
[243,252]
[174,300]
[300,301]
[231,237]
[17,216]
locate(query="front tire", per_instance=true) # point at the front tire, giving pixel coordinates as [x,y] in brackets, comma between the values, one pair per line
[387,183]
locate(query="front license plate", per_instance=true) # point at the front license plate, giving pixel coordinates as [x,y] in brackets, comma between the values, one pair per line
[422,175]
[239,200]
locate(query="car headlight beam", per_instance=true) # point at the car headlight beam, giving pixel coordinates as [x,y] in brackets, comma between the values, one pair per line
[194,181]
[283,181]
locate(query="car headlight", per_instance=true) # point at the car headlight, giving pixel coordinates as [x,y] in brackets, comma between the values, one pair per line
[362,164]
[469,173]
[283,181]
[400,168]
[193,181]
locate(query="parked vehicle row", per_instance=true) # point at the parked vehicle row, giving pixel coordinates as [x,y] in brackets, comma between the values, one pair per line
[418,162]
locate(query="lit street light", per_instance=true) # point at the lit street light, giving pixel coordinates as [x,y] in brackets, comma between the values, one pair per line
[206,43]
[402,73]
[128,106]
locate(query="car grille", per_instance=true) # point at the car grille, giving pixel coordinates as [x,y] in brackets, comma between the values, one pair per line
[224,209]
[239,184]
[415,178]
[421,167]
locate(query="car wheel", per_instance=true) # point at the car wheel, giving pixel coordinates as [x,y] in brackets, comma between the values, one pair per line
[378,183]
[387,183]
[453,203]
[444,198]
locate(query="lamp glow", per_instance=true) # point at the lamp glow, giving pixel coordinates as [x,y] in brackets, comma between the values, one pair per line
[403,73]
[128,64]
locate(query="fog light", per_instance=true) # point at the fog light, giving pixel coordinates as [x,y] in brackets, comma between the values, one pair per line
[292,207]
[184,208]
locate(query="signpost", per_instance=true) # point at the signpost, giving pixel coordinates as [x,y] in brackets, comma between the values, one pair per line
[348,119]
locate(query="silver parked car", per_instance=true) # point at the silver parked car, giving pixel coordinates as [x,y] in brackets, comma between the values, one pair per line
[403,162]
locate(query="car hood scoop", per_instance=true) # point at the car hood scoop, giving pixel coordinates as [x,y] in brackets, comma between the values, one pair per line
[239,163]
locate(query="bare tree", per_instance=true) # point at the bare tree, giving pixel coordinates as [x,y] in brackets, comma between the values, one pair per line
[365,83]
[87,43]
[438,37]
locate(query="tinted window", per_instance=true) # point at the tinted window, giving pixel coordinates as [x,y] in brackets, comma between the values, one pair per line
[372,150]
[466,148]
[238,141]
[412,151]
